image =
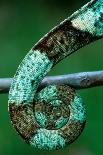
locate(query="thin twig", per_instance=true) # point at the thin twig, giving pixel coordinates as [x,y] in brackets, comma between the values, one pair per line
[76,80]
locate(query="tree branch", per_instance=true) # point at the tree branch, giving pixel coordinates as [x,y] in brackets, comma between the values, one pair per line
[76,80]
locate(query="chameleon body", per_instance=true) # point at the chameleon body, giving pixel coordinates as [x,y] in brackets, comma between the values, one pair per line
[55,116]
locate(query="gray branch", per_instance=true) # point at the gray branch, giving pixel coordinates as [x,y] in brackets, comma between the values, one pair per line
[76,80]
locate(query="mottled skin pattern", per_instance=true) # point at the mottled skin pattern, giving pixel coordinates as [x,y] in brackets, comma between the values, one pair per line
[55,116]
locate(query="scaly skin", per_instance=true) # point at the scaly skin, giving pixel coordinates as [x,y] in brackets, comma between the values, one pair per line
[55,116]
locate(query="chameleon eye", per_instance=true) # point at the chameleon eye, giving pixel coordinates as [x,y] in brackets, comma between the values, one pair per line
[55,116]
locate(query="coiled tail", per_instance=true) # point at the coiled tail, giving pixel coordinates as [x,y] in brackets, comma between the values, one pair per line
[55,116]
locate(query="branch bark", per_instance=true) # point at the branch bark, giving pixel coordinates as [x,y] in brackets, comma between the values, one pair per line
[77,80]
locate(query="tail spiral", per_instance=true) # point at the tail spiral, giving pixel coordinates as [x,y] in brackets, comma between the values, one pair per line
[55,116]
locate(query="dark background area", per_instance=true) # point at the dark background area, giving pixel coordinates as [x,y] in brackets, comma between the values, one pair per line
[23,23]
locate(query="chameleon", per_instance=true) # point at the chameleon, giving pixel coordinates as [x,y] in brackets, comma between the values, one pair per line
[54,116]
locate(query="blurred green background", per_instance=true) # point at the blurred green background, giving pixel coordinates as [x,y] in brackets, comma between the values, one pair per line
[23,23]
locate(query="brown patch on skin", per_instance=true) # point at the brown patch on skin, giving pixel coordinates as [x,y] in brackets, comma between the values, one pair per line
[49,111]
[66,93]
[72,130]
[55,113]
[63,40]
[38,106]
[23,119]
